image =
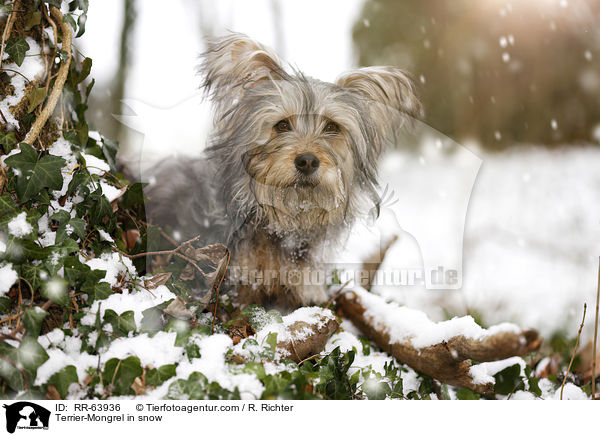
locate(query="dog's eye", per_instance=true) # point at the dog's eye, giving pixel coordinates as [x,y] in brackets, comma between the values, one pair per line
[283,126]
[332,127]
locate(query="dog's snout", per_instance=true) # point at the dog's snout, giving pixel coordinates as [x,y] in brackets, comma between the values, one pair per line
[307,163]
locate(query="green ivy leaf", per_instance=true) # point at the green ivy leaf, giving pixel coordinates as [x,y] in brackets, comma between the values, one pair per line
[272,341]
[35,174]
[466,394]
[68,18]
[74,227]
[157,376]
[5,304]
[122,373]
[509,380]
[96,289]
[16,49]
[30,356]
[32,320]
[63,379]
[32,273]
[121,324]
[9,371]
[8,141]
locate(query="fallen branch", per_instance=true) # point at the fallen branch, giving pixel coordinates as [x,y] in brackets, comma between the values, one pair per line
[302,334]
[447,360]
[308,339]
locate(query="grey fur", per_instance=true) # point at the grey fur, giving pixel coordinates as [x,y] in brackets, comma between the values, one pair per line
[245,185]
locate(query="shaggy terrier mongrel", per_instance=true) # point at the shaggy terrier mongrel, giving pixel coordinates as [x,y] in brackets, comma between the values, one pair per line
[290,164]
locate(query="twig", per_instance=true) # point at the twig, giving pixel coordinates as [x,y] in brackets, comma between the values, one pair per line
[55,30]
[16,72]
[59,83]
[212,327]
[163,253]
[562,386]
[337,294]
[308,358]
[18,328]
[595,338]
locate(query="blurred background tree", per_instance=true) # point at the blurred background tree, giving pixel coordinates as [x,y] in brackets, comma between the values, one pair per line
[494,71]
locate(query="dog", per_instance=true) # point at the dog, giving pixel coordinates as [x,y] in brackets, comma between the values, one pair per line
[290,164]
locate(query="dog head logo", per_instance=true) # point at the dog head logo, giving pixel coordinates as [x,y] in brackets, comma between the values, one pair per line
[26,415]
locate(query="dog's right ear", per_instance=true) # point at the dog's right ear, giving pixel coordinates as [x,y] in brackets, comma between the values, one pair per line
[235,63]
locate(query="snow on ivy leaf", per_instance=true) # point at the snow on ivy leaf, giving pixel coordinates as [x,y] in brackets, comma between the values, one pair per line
[35,174]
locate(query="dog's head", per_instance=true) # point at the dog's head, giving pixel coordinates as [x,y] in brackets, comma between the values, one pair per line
[298,153]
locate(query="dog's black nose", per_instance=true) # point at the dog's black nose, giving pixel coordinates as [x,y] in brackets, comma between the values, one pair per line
[307,163]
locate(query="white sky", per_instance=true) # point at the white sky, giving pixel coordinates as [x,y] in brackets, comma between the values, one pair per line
[317,38]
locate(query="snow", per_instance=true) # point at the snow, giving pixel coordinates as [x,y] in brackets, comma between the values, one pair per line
[314,316]
[571,392]
[95,165]
[152,351]
[32,65]
[110,192]
[405,324]
[8,277]
[105,236]
[138,301]
[62,148]
[531,236]
[58,359]
[114,264]
[19,227]
[212,365]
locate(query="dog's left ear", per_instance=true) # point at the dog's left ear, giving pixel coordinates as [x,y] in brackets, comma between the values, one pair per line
[235,63]
[389,88]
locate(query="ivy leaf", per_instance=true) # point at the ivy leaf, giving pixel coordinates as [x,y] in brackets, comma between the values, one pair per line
[68,18]
[30,356]
[121,324]
[466,394]
[122,373]
[75,226]
[86,67]
[36,98]
[5,304]
[35,174]
[16,49]
[63,379]
[7,205]
[32,319]
[157,376]
[8,367]
[32,273]
[509,380]
[33,20]
[8,141]
[272,341]
[96,289]
[81,24]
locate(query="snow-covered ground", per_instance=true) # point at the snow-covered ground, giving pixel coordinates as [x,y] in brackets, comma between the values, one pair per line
[531,238]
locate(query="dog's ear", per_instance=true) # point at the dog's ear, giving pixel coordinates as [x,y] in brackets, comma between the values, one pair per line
[386,87]
[235,63]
